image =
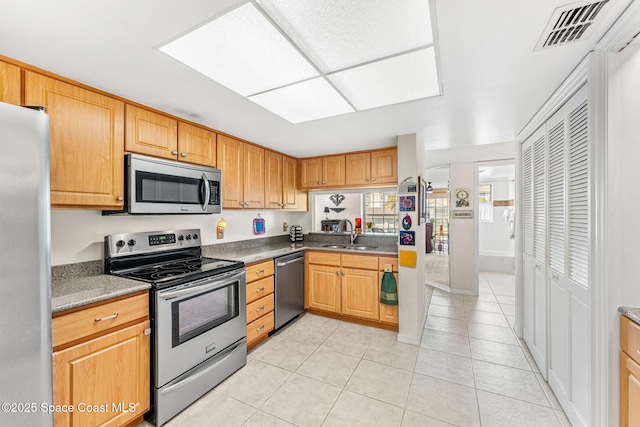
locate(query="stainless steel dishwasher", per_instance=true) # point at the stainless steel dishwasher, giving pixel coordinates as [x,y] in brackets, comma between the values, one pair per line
[289,292]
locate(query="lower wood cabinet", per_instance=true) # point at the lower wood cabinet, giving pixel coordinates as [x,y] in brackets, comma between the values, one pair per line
[348,285]
[104,375]
[260,301]
[629,373]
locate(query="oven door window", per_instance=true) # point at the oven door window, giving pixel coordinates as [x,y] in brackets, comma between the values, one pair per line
[161,188]
[197,314]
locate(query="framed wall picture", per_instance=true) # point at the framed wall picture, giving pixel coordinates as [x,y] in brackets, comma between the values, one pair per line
[422,206]
[462,197]
[407,203]
[407,238]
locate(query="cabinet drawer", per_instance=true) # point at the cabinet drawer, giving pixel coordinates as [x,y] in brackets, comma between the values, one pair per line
[260,327]
[259,289]
[324,258]
[79,324]
[388,260]
[362,262]
[630,338]
[259,308]
[259,270]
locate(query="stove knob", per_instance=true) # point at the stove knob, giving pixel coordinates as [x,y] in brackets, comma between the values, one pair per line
[120,243]
[131,242]
[188,236]
[195,236]
[181,237]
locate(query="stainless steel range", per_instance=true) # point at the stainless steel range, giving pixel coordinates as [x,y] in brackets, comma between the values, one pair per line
[197,313]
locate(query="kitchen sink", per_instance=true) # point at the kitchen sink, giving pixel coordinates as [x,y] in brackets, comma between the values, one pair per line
[334,246]
[361,248]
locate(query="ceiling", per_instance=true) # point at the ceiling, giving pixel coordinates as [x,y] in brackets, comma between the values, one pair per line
[493,81]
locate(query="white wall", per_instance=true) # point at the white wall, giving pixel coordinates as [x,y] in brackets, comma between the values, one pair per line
[352,205]
[464,277]
[623,202]
[78,235]
[494,236]
[412,289]
[473,153]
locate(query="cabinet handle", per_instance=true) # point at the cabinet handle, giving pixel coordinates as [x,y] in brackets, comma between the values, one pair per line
[258,272]
[260,328]
[241,203]
[319,182]
[183,154]
[366,180]
[259,309]
[337,273]
[324,182]
[342,273]
[246,203]
[113,316]
[373,179]
[120,198]
[174,152]
[259,290]
[284,205]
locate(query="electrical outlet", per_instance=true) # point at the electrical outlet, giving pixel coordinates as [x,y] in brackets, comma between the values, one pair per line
[285,226]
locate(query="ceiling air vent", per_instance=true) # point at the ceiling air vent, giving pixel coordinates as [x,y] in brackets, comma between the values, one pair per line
[570,23]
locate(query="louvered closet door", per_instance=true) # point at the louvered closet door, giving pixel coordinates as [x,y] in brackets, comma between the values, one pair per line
[577,259]
[558,368]
[528,316]
[538,346]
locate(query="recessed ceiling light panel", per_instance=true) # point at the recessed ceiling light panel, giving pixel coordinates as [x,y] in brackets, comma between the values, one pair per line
[337,34]
[242,51]
[399,79]
[302,102]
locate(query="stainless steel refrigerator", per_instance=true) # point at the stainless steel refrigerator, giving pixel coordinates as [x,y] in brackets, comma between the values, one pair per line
[25,268]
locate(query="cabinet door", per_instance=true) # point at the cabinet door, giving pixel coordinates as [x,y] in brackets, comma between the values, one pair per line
[333,169]
[311,173]
[323,288]
[289,187]
[389,313]
[9,83]
[253,176]
[358,169]
[384,166]
[87,143]
[273,180]
[111,370]
[151,133]
[196,145]
[360,293]
[629,391]
[230,160]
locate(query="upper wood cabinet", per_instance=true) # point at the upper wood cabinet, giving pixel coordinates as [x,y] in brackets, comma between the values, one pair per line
[87,143]
[196,145]
[280,190]
[372,168]
[384,166]
[358,169]
[10,83]
[322,172]
[151,133]
[243,173]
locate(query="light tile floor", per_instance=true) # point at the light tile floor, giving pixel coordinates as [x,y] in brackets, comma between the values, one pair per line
[470,370]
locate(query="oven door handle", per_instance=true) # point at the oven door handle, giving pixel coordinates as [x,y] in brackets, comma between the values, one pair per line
[207,192]
[219,282]
[203,369]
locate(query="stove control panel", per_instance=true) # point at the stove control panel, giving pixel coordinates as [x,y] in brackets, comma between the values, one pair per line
[162,239]
[125,244]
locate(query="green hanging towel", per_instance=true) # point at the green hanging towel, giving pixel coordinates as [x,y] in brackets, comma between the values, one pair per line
[388,289]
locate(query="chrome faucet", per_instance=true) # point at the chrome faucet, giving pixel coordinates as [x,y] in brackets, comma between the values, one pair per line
[352,233]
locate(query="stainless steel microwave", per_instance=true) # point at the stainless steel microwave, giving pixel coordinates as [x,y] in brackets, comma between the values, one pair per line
[156,186]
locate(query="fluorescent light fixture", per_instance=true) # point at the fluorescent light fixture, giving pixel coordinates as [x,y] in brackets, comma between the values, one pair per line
[310,59]
[302,102]
[337,34]
[399,79]
[242,51]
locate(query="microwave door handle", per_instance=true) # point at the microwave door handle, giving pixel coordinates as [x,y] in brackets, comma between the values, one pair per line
[207,192]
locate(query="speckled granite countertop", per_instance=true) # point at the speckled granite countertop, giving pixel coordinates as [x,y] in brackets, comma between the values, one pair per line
[632,313]
[83,283]
[251,255]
